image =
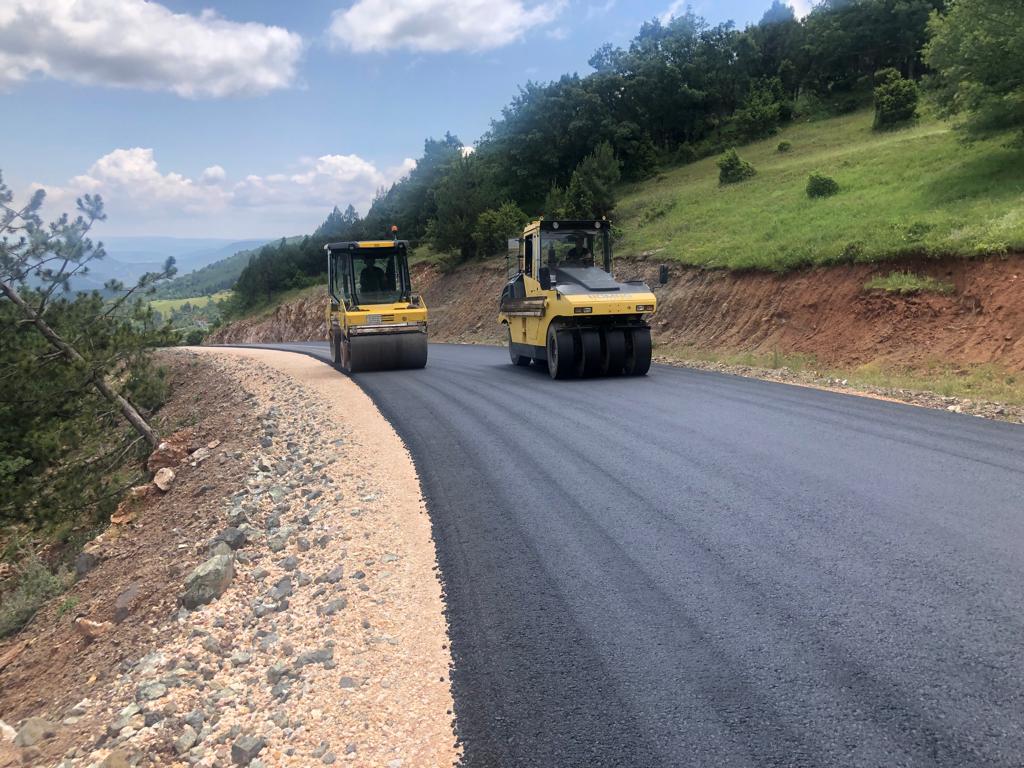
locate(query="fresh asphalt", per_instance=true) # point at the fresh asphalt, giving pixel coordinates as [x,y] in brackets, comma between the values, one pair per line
[693,569]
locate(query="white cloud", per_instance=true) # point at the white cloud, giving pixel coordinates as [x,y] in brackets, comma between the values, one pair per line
[673,10]
[801,7]
[438,26]
[143,199]
[138,44]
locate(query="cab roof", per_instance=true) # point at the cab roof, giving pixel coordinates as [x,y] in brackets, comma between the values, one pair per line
[357,245]
[551,225]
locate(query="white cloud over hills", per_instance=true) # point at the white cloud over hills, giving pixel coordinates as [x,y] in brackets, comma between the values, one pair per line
[139,196]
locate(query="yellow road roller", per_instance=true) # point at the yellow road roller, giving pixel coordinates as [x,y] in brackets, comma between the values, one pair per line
[563,308]
[375,320]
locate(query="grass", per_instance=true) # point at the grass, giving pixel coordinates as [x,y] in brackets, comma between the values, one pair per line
[977,382]
[166,306]
[907,283]
[911,192]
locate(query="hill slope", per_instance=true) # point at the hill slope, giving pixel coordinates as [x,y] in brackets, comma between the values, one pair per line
[911,192]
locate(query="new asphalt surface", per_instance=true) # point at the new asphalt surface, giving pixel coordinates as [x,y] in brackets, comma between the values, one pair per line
[693,569]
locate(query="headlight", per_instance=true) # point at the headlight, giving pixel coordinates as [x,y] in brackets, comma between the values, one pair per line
[644,307]
[583,310]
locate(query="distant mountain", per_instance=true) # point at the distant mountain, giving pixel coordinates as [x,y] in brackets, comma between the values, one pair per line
[128,258]
[219,275]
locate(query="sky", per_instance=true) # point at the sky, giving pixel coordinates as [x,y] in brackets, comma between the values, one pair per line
[253,118]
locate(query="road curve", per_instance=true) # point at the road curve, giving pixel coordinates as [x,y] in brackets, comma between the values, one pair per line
[693,569]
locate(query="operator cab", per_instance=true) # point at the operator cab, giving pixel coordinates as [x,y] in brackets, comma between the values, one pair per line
[367,273]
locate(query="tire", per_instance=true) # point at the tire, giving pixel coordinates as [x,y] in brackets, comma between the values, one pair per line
[591,358]
[614,349]
[638,351]
[561,354]
[517,359]
[335,348]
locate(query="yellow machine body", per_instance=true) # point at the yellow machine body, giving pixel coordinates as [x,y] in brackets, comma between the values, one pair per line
[564,309]
[375,320]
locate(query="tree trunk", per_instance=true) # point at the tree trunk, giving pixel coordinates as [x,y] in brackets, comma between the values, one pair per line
[72,355]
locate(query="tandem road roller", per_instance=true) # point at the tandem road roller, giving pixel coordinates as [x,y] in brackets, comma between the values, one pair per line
[375,320]
[563,308]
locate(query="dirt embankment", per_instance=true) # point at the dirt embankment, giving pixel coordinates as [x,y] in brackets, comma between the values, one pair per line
[823,312]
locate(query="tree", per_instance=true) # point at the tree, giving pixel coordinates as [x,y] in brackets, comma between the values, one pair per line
[778,13]
[733,169]
[760,114]
[51,256]
[895,99]
[977,50]
[592,191]
[494,228]
[461,197]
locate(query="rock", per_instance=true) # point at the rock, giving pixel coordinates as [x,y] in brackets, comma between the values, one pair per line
[167,454]
[218,547]
[276,672]
[86,560]
[195,718]
[233,537]
[125,602]
[116,759]
[245,749]
[290,563]
[281,590]
[186,740]
[328,758]
[240,658]
[6,732]
[333,576]
[130,505]
[315,657]
[279,540]
[332,607]
[199,455]
[151,691]
[33,731]
[954,409]
[164,479]
[208,581]
[348,682]
[91,630]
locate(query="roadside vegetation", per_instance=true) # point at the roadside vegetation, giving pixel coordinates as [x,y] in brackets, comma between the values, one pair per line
[78,390]
[907,284]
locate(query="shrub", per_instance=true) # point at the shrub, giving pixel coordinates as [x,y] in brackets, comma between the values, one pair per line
[496,226]
[33,585]
[761,113]
[784,146]
[194,337]
[895,99]
[733,169]
[819,185]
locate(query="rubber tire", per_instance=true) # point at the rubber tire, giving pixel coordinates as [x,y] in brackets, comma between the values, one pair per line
[591,357]
[520,360]
[614,352]
[335,349]
[561,354]
[638,352]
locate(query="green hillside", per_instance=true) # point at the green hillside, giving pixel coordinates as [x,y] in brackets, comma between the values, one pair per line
[913,191]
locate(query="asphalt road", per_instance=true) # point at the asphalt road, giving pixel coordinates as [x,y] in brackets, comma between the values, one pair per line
[693,569]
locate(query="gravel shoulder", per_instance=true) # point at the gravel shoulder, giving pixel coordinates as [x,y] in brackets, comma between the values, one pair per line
[303,624]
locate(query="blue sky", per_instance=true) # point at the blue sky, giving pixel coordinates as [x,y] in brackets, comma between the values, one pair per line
[250,118]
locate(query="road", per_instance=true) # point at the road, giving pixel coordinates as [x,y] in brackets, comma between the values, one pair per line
[694,569]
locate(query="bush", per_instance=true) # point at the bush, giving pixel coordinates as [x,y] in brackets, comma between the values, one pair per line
[194,337]
[496,226]
[761,113]
[33,585]
[784,146]
[733,169]
[819,185]
[895,99]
